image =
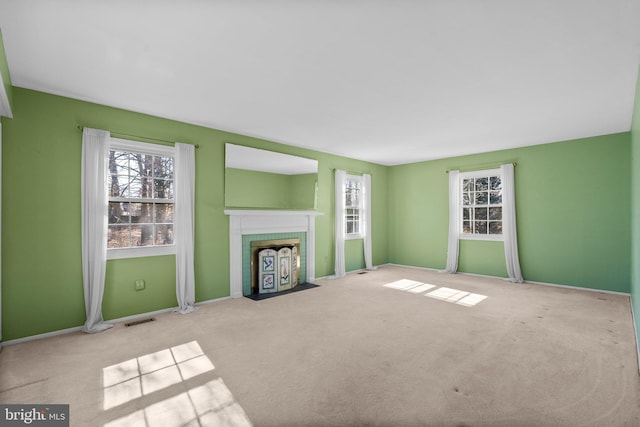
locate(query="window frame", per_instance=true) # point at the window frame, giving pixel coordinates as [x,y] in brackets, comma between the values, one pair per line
[150,149]
[486,173]
[360,208]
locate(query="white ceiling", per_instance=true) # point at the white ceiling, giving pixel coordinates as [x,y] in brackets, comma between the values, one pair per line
[387,81]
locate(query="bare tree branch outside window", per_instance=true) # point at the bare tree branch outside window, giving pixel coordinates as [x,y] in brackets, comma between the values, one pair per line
[141,200]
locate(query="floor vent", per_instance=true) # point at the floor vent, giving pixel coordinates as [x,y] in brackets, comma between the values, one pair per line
[139,322]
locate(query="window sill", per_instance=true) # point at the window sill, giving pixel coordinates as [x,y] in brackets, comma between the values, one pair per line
[492,238]
[353,236]
[141,252]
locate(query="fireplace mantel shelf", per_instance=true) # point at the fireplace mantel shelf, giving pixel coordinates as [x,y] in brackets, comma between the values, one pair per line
[242,222]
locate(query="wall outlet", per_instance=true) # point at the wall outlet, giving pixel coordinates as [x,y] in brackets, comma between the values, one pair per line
[139,285]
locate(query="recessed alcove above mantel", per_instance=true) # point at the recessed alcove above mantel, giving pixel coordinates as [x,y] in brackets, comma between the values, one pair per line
[264,179]
[262,223]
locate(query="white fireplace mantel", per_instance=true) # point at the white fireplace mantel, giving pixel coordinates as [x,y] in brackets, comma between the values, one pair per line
[243,222]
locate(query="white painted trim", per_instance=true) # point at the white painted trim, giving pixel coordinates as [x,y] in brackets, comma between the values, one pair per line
[269,212]
[485,173]
[354,236]
[604,291]
[242,222]
[141,251]
[506,279]
[486,237]
[111,321]
[1,232]
[141,315]
[635,331]
[144,148]
[361,207]
[360,270]
[330,277]
[412,266]
[210,301]
[45,335]
[5,107]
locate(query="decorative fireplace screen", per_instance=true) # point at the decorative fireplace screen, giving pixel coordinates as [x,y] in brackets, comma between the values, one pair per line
[275,265]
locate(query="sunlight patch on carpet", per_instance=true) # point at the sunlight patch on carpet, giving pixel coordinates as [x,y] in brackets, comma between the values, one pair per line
[149,373]
[409,286]
[471,300]
[456,296]
[211,404]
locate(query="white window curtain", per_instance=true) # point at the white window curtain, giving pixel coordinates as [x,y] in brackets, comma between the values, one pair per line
[184,174]
[340,269]
[509,224]
[454,221]
[368,259]
[95,144]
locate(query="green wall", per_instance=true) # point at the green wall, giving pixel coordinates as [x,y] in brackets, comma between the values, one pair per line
[252,189]
[572,198]
[635,209]
[41,245]
[572,202]
[302,191]
[4,72]
[245,188]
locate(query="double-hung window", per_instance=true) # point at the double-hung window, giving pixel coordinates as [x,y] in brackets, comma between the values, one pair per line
[354,207]
[481,204]
[140,188]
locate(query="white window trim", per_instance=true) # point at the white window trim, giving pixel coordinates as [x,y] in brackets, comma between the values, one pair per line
[361,208]
[143,251]
[493,237]
[354,236]
[144,148]
[476,174]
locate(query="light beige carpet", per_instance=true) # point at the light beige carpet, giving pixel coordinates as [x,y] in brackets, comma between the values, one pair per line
[398,346]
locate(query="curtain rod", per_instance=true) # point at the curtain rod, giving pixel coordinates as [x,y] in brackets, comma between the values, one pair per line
[125,135]
[479,168]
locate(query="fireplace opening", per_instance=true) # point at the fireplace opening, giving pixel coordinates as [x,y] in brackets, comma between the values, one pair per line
[275,265]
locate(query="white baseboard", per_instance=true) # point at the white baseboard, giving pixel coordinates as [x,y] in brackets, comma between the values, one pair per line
[41,336]
[134,317]
[635,332]
[411,266]
[525,282]
[110,321]
[578,287]
[360,270]
[209,301]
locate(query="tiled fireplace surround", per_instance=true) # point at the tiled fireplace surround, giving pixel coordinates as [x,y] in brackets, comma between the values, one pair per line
[248,222]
